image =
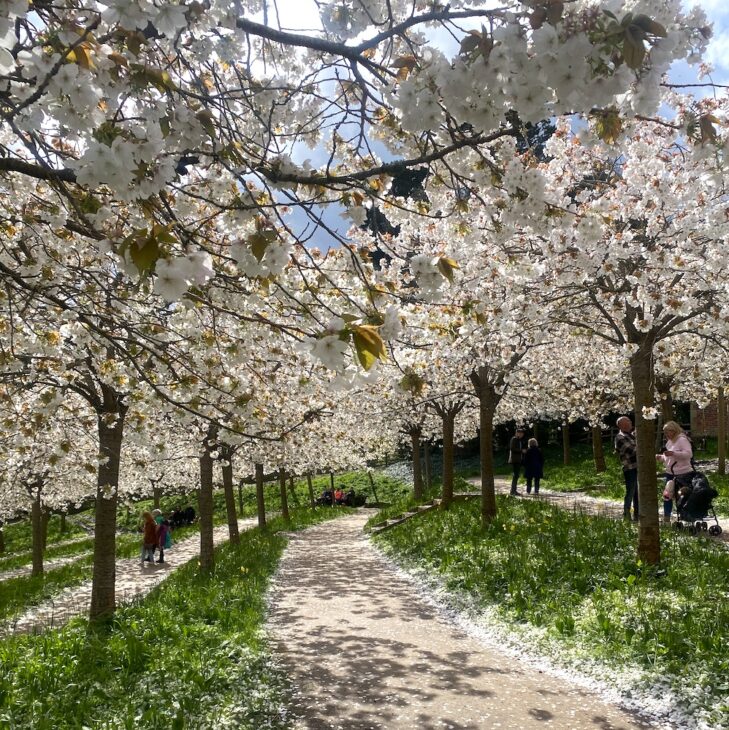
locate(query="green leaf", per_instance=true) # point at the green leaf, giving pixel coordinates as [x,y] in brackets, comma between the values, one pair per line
[633,48]
[608,125]
[259,242]
[144,253]
[447,266]
[470,42]
[368,344]
[649,26]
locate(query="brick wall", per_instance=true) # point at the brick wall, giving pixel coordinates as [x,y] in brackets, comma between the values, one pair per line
[704,421]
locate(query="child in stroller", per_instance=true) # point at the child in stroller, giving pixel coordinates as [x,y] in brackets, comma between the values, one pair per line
[694,503]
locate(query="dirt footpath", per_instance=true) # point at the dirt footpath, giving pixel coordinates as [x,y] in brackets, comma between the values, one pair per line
[364,650]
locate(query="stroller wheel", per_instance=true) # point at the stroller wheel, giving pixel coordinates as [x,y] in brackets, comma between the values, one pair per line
[679,525]
[704,526]
[718,530]
[712,530]
[692,529]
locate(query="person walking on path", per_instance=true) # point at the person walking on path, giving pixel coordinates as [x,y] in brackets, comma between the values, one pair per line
[163,531]
[626,448]
[149,539]
[517,450]
[677,459]
[533,466]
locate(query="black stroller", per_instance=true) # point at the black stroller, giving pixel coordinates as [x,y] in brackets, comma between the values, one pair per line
[694,505]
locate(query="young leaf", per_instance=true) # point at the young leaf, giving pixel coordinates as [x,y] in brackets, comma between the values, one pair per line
[649,26]
[633,48]
[368,344]
[447,266]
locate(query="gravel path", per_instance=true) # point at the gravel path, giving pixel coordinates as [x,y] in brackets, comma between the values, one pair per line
[132,580]
[364,650]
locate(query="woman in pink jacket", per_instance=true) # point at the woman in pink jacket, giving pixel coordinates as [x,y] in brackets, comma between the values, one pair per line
[677,458]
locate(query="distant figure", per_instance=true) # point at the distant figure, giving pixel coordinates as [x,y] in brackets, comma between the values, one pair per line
[163,531]
[350,498]
[326,498]
[149,539]
[677,458]
[533,466]
[517,449]
[625,446]
[339,495]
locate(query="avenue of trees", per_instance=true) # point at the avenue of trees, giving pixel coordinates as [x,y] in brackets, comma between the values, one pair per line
[536,217]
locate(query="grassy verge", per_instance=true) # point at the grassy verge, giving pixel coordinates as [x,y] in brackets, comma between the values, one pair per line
[18,534]
[52,553]
[190,655]
[19,594]
[407,502]
[574,579]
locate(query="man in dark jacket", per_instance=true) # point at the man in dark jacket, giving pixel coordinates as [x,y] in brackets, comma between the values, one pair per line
[517,449]
[625,446]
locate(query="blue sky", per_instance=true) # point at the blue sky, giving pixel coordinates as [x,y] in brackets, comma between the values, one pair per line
[302,15]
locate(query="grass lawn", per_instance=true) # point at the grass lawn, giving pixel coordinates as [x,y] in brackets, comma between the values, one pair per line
[190,655]
[575,581]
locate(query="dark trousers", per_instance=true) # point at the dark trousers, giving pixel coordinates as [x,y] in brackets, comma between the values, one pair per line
[631,491]
[515,478]
[536,484]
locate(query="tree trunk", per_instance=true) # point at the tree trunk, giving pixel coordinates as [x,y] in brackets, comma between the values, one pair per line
[292,491]
[667,407]
[331,482]
[311,491]
[566,442]
[372,487]
[240,497]
[111,432]
[227,469]
[487,402]
[598,454]
[260,499]
[721,430]
[36,520]
[427,465]
[448,418]
[205,507]
[641,371]
[2,539]
[45,521]
[417,474]
[62,527]
[156,496]
[284,496]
